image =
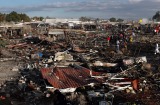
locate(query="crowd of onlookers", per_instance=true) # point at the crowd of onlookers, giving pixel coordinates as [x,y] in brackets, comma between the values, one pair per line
[121,35]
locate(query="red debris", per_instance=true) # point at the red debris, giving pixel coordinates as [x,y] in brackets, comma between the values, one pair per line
[68,77]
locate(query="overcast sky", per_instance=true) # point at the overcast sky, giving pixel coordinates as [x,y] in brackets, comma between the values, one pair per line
[128,9]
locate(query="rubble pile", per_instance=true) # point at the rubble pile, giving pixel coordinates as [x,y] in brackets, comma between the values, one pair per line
[148,39]
[8,70]
[80,68]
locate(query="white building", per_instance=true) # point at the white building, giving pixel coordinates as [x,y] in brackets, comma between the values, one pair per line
[55,21]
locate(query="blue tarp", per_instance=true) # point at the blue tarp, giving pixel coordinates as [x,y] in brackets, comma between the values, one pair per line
[40,54]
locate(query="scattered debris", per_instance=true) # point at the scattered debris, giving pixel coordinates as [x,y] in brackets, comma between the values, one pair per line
[76,66]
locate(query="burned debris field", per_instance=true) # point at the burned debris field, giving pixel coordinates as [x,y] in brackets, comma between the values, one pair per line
[80,64]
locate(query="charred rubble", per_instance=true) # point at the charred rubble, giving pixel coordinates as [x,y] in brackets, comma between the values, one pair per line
[79,68]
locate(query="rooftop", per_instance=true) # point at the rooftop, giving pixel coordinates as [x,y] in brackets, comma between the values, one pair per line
[69,77]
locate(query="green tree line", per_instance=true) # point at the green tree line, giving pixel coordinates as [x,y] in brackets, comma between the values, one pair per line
[115,20]
[156,17]
[14,17]
[17,17]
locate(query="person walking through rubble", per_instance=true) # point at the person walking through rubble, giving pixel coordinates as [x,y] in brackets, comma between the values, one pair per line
[157,49]
[117,45]
[108,40]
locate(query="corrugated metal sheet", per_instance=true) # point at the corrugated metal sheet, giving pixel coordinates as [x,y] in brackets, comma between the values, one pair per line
[55,33]
[68,77]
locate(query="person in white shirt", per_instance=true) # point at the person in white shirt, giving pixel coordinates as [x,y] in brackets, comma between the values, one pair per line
[117,45]
[157,49]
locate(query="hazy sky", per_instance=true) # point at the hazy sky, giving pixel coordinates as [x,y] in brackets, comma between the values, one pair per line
[129,9]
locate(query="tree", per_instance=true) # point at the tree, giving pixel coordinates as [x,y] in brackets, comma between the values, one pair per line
[13,16]
[84,19]
[24,18]
[156,16]
[38,18]
[120,20]
[112,19]
[41,18]
[2,17]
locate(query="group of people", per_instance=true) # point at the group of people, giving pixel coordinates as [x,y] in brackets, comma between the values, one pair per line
[118,40]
